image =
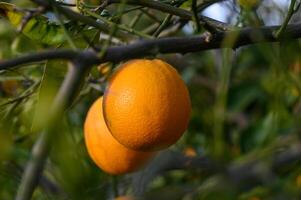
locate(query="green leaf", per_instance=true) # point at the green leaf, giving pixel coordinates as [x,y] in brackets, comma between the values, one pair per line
[54,72]
[38,28]
[46,31]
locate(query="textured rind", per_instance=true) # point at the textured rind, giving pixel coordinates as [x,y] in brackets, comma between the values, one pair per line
[105,151]
[146,105]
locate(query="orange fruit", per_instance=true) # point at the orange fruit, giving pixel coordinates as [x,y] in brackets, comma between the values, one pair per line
[105,151]
[10,87]
[146,105]
[254,198]
[104,69]
[298,181]
[190,152]
[124,198]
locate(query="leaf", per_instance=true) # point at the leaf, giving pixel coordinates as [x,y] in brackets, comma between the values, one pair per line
[54,72]
[45,30]
[38,28]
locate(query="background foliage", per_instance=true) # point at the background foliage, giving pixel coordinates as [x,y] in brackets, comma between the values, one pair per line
[246,108]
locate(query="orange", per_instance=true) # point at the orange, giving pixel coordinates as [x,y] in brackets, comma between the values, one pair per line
[124,198]
[105,151]
[254,198]
[298,181]
[190,152]
[10,87]
[146,105]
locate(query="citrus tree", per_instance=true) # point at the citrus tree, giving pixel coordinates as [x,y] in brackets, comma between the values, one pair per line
[150,99]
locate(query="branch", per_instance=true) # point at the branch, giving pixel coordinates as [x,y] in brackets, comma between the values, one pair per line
[41,148]
[250,174]
[72,15]
[171,160]
[183,14]
[206,3]
[65,54]
[289,15]
[157,5]
[239,176]
[195,15]
[245,36]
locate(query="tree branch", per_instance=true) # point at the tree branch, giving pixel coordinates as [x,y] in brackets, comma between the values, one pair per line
[289,15]
[183,14]
[72,15]
[239,176]
[157,5]
[206,3]
[42,147]
[245,36]
[65,54]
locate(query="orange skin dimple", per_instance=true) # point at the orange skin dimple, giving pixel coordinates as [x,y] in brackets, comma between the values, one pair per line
[146,105]
[105,151]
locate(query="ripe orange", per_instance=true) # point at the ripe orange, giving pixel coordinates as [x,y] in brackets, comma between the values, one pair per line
[10,87]
[104,150]
[124,198]
[190,152]
[146,105]
[298,181]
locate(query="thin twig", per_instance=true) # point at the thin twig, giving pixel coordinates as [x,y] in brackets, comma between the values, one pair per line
[119,26]
[42,147]
[135,20]
[150,15]
[118,15]
[288,17]
[70,41]
[28,16]
[143,48]
[183,14]
[195,15]
[66,4]
[20,98]
[206,3]
[162,25]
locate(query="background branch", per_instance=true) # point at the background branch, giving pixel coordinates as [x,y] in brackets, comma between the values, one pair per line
[245,36]
[41,148]
[238,176]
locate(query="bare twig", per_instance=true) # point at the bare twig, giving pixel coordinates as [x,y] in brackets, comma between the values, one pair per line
[194,10]
[41,148]
[288,17]
[162,25]
[119,26]
[70,14]
[66,4]
[29,15]
[236,175]
[183,14]
[58,16]
[206,3]
[102,6]
[245,36]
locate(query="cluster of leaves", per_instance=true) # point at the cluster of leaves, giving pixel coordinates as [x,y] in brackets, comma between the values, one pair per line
[243,102]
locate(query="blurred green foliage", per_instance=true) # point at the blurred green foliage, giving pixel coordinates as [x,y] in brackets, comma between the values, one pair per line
[262,104]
